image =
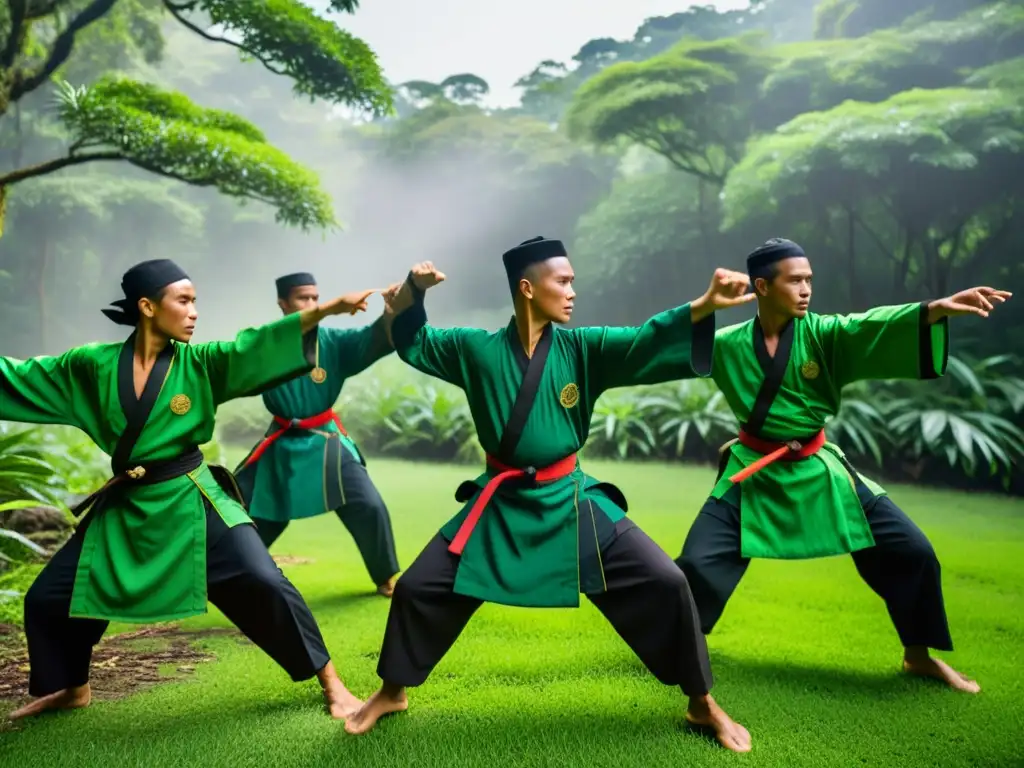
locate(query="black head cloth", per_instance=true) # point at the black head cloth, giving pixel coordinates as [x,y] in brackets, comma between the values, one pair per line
[143,281]
[529,252]
[774,250]
[294,280]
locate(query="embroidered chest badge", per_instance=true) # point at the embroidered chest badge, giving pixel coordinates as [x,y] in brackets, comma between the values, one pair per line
[318,375]
[570,396]
[180,405]
[810,370]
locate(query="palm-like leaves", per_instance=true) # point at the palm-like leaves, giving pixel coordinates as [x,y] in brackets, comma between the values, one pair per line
[25,472]
[962,420]
[690,407]
[859,426]
[970,419]
[619,427]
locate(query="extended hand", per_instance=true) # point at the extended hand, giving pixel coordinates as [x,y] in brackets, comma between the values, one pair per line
[973,301]
[728,289]
[425,275]
[390,294]
[351,303]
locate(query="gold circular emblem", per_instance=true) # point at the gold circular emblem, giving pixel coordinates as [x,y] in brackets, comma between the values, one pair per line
[318,375]
[570,395]
[810,370]
[180,405]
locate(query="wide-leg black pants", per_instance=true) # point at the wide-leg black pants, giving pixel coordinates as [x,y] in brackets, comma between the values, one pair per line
[901,568]
[242,581]
[647,601]
[366,517]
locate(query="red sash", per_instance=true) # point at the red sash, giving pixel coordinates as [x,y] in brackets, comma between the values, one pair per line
[313,422]
[772,452]
[558,470]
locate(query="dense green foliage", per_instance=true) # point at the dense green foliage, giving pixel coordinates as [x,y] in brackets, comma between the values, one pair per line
[120,118]
[887,138]
[962,430]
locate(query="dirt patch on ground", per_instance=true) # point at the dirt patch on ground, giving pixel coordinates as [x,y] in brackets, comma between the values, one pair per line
[292,560]
[121,664]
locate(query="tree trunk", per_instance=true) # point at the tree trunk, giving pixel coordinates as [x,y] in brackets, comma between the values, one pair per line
[705,236]
[902,269]
[44,261]
[851,259]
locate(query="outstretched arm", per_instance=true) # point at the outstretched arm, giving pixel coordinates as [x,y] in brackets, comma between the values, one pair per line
[437,352]
[905,341]
[675,344]
[43,390]
[260,358]
[357,350]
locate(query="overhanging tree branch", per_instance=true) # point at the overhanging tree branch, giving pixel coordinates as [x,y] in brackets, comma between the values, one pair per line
[37,9]
[61,49]
[194,181]
[176,10]
[19,11]
[58,163]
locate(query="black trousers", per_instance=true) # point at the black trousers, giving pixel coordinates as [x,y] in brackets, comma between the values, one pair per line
[901,568]
[366,517]
[647,601]
[242,581]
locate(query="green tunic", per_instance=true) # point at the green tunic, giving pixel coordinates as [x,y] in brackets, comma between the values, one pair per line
[299,474]
[809,508]
[144,554]
[541,546]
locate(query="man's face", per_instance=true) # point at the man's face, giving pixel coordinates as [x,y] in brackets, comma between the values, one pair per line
[299,298]
[789,292]
[548,288]
[175,314]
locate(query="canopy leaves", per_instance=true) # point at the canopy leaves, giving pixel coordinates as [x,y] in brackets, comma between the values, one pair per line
[683,104]
[165,133]
[924,132]
[818,75]
[290,39]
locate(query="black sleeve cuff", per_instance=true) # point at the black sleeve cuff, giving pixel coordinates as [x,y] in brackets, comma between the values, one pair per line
[409,321]
[702,346]
[926,350]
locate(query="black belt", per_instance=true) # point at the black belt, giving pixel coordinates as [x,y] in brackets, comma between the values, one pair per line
[149,473]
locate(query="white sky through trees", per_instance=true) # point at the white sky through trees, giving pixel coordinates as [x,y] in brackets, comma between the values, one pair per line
[499,41]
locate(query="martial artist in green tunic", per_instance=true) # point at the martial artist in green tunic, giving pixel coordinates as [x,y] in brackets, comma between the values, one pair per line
[307,464]
[167,532]
[535,530]
[785,492]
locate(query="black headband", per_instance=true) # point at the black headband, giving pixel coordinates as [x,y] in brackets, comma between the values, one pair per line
[144,280]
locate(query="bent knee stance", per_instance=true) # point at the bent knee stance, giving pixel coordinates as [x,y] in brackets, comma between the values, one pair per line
[670,578]
[409,588]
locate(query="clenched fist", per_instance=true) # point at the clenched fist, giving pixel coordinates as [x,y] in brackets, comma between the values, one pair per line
[425,275]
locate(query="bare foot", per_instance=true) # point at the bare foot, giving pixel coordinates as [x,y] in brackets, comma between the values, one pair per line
[384,702]
[703,712]
[387,589]
[69,698]
[341,702]
[939,670]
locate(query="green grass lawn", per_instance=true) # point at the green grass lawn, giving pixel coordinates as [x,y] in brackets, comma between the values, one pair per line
[805,657]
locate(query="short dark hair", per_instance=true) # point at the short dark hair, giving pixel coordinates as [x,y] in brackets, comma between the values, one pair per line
[768,272]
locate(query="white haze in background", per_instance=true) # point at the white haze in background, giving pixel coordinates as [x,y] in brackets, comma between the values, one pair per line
[402,215]
[500,42]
